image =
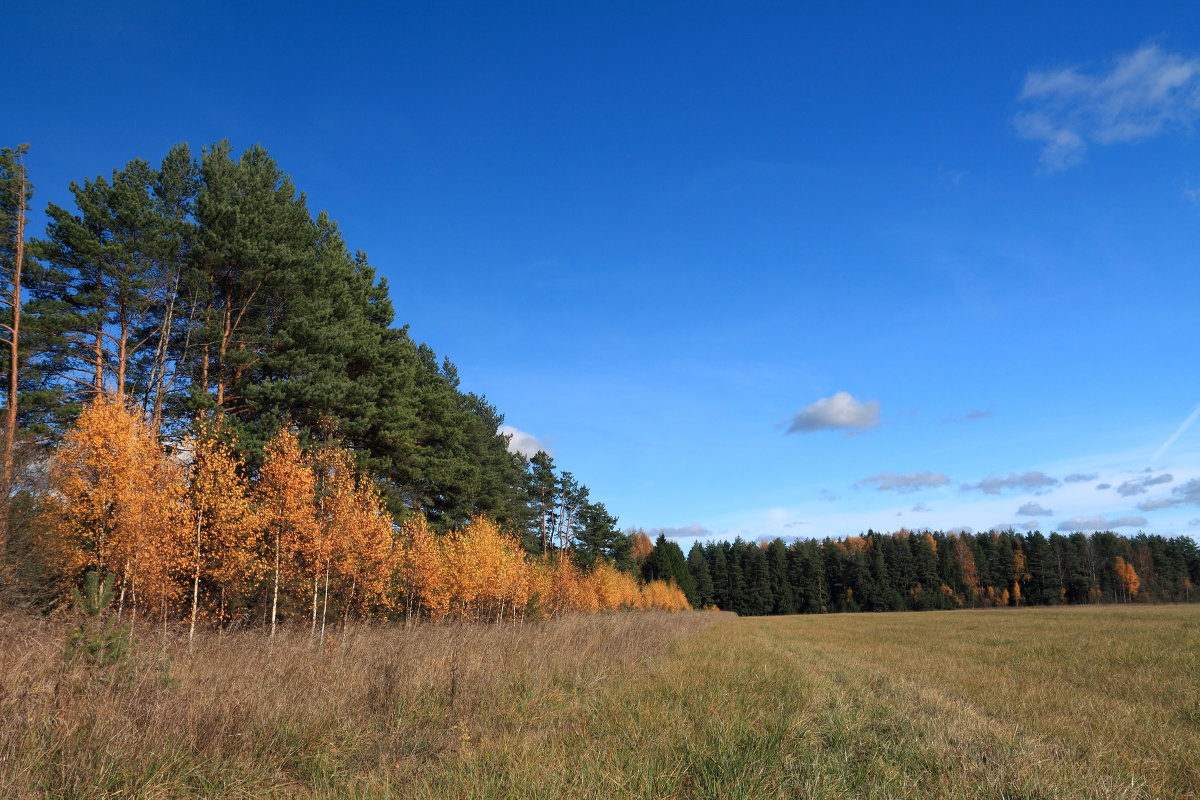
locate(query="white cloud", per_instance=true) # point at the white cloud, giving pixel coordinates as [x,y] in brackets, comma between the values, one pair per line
[1145,93]
[908,482]
[1100,523]
[521,442]
[1081,477]
[1034,510]
[921,508]
[1027,480]
[1102,486]
[840,412]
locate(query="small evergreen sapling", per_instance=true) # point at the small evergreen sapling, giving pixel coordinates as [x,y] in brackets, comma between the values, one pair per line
[96,641]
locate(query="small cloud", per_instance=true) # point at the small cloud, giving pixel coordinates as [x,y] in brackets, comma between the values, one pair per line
[906,483]
[686,532]
[969,416]
[1034,510]
[826,496]
[1028,481]
[1141,485]
[961,529]
[524,443]
[1031,525]
[1192,523]
[1100,487]
[1141,95]
[794,523]
[921,508]
[840,412]
[1081,477]
[1155,505]
[1076,524]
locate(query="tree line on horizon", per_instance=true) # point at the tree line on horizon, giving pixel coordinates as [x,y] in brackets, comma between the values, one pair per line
[918,571]
[202,291]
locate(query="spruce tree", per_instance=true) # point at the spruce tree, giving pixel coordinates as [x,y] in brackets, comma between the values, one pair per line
[698,566]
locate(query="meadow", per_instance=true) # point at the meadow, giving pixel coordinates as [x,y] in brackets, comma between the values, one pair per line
[1072,702]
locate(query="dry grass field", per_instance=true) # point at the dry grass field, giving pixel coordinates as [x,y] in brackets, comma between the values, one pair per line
[1080,702]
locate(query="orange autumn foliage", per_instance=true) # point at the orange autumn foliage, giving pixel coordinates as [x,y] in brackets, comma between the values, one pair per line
[641,546]
[481,573]
[116,505]
[305,537]
[285,492]
[225,523]
[1128,577]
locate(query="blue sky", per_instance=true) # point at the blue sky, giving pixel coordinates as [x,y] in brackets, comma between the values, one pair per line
[744,268]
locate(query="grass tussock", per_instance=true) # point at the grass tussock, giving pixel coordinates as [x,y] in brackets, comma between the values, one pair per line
[1080,702]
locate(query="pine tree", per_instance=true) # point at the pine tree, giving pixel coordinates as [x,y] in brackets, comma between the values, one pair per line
[15,195]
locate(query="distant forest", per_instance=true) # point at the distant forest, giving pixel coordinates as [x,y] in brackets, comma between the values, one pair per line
[916,571]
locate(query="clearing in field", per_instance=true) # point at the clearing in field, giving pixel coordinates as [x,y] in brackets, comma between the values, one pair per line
[1080,702]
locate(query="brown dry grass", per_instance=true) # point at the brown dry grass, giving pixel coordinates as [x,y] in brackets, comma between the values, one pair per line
[362,714]
[1092,702]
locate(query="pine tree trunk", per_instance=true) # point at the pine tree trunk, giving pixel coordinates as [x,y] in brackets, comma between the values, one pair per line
[122,353]
[98,361]
[543,522]
[14,372]
[159,371]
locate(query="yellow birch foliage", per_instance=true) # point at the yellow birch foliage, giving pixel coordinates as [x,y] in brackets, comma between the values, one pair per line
[613,588]
[286,495]
[488,572]
[423,567]
[370,550]
[1127,575]
[117,505]
[663,596]
[965,559]
[564,590]
[226,524]
[641,546]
